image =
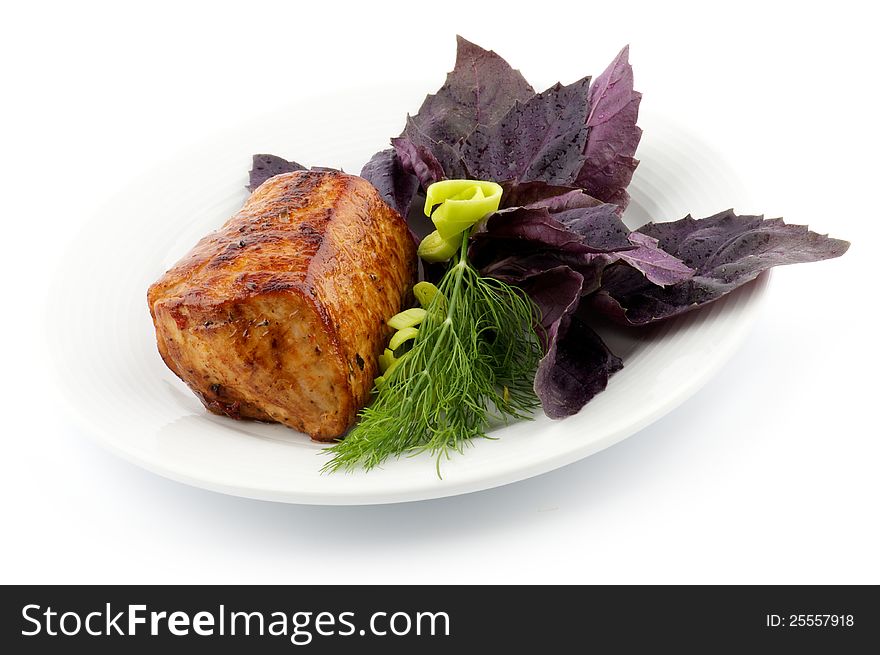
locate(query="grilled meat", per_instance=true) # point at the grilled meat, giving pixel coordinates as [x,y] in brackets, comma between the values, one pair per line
[280,314]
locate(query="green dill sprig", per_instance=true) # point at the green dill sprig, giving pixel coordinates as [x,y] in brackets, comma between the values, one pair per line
[472,362]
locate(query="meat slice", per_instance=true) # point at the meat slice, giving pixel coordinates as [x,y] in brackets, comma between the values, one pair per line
[280,314]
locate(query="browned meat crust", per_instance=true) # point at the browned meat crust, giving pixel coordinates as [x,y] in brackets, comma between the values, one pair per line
[280,314]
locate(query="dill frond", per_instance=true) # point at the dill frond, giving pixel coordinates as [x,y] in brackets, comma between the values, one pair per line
[472,364]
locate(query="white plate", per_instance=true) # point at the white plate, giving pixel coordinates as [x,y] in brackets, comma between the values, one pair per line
[121,393]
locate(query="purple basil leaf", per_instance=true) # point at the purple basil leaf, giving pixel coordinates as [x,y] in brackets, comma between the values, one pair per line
[543,139]
[521,230]
[516,243]
[577,364]
[600,227]
[540,194]
[446,156]
[613,134]
[480,89]
[536,226]
[612,91]
[514,265]
[574,199]
[396,186]
[557,293]
[575,370]
[266,166]
[657,265]
[725,251]
[418,160]
[520,265]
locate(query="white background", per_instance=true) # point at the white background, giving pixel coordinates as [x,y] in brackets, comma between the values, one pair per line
[769,474]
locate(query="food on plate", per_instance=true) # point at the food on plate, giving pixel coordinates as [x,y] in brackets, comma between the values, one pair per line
[281,314]
[304,302]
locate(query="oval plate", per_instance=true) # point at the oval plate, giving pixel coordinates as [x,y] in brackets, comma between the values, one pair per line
[121,393]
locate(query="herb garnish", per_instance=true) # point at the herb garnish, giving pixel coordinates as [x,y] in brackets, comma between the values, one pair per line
[472,362]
